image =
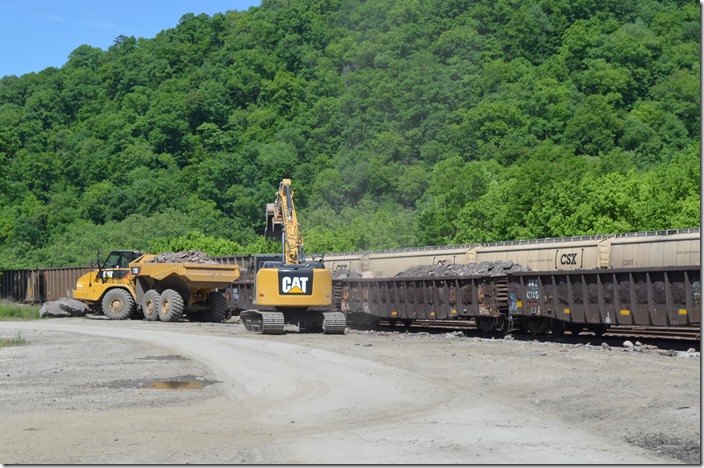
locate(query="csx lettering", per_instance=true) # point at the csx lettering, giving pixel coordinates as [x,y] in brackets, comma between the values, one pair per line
[292,282]
[568,259]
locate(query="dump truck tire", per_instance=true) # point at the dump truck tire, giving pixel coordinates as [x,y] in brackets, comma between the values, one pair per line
[218,307]
[117,304]
[151,304]
[171,308]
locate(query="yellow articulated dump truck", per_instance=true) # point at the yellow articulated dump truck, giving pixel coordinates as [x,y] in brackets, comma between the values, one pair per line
[131,284]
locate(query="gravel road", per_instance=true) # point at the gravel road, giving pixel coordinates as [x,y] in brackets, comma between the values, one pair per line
[88,391]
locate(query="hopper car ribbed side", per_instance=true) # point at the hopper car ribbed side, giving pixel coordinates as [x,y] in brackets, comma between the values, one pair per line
[538,301]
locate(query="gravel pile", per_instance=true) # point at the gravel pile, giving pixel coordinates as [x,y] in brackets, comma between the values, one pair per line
[192,256]
[345,273]
[481,269]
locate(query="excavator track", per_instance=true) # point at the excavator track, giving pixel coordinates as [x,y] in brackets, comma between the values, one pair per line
[262,322]
[334,323]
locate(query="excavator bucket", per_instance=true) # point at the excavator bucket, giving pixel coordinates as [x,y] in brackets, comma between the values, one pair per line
[274,223]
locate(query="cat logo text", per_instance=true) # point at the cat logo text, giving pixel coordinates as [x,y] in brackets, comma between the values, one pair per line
[295,283]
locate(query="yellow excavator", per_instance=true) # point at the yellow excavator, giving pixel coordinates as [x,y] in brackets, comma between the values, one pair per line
[294,291]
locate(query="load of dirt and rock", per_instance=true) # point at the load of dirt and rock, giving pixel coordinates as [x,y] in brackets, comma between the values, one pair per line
[191,256]
[343,273]
[481,269]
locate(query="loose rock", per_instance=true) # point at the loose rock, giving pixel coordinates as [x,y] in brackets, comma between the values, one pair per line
[192,256]
[345,273]
[64,307]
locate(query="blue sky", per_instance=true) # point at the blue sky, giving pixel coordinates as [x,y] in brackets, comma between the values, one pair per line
[36,34]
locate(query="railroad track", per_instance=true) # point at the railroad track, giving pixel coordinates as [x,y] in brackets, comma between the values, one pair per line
[679,333]
[617,331]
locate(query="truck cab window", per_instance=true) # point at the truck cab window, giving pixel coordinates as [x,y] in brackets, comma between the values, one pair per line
[114,261]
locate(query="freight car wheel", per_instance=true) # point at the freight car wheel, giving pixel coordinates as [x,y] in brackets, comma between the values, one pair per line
[538,326]
[150,305]
[521,323]
[557,328]
[506,325]
[575,329]
[486,325]
[117,304]
[172,306]
[598,330]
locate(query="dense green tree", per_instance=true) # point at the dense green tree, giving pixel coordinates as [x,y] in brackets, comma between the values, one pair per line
[594,127]
[400,123]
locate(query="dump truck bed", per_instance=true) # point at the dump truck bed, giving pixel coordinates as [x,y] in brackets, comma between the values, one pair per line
[193,275]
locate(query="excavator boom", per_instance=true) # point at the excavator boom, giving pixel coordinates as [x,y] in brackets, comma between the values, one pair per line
[281,219]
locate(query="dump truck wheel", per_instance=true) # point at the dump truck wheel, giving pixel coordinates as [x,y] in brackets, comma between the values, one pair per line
[117,304]
[217,307]
[150,305]
[171,308]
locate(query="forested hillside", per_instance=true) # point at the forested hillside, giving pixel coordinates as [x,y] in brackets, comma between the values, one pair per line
[400,122]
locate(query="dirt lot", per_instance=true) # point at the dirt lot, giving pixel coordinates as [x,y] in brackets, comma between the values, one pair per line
[134,392]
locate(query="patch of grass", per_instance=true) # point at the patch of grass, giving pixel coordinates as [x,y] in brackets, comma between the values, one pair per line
[17,340]
[12,311]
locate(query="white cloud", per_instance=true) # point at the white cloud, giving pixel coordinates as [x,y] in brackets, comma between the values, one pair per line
[57,19]
[93,23]
[98,23]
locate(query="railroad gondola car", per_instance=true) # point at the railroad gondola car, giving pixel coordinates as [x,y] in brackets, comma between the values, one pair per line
[538,302]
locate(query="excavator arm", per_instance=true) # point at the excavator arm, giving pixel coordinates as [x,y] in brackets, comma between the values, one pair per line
[281,220]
